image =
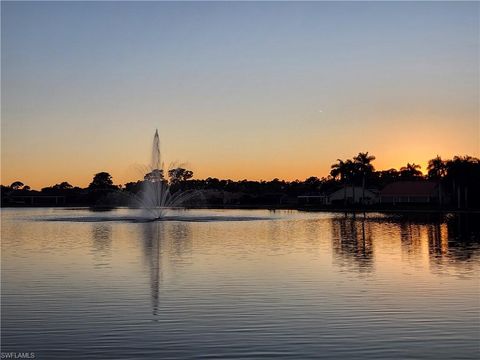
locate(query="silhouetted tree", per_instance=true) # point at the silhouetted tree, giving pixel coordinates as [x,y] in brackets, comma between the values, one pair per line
[385,177]
[5,189]
[340,170]
[411,172]
[133,187]
[101,180]
[311,183]
[155,175]
[63,186]
[463,174]
[352,172]
[178,175]
[364,167]
[436,168]
[16,185]
[212,183]
[458,177]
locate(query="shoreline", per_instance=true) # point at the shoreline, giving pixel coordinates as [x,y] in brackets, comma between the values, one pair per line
[274,208]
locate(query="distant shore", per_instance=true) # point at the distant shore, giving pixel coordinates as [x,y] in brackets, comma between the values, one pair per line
[402,210]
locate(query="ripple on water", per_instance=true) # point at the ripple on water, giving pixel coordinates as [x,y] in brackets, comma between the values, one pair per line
[283,285]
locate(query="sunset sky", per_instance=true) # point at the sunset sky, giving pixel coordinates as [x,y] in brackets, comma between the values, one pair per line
[253,90]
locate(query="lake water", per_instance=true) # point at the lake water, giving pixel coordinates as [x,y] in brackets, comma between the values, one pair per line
[239,284]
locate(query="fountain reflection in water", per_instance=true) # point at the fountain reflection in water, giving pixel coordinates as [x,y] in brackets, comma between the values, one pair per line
[156,197]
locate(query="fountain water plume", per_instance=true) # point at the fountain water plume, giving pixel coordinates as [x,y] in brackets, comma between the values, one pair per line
[155,162]
[155,197]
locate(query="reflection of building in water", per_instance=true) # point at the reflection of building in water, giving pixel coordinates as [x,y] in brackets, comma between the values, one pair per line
[163,242]
[352,242]
[102,244]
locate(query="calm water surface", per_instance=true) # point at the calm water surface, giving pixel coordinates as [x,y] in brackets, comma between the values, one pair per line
[239,284]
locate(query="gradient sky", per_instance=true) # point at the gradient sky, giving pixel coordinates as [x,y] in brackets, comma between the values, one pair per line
[237,90]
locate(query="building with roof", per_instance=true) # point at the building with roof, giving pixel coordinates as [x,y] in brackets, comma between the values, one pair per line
[353,195]
[345,195]
[417,192]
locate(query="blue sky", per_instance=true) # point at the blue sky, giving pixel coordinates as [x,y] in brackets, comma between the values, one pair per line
[256,89]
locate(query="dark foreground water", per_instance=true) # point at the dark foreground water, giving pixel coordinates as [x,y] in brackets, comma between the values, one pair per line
[239,284]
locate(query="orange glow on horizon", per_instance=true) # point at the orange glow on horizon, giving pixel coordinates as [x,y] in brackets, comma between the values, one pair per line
[38,177]
[284,97]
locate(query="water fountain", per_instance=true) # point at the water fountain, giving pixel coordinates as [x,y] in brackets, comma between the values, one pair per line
[156,198]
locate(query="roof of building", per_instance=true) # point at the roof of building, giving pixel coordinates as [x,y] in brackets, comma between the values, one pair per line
[358,189]
[410,188]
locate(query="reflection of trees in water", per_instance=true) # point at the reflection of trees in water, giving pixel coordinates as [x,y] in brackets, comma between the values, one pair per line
[452,239]
[179,240]
[411,238]
[163,241]
[352,242]
[102,244]
[464,228]
[437,240]
[455,240]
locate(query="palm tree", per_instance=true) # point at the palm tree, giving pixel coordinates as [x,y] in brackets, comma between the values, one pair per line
[364,166]
[411,171]
[351,174]
[340,170]
[436,168]
[463,172]
[387,176]
[346,171]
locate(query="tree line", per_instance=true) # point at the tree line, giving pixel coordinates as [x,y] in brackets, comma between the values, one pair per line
[458,176]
